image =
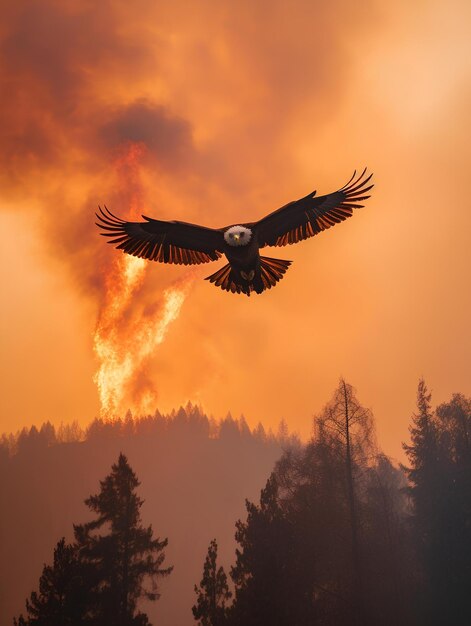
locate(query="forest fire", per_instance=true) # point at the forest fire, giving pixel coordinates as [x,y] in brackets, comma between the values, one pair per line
[125,336]
[123,348]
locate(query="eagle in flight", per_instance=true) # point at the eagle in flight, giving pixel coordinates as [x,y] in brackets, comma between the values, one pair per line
[190,244]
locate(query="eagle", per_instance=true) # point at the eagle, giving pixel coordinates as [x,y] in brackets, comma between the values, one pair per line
[247,271]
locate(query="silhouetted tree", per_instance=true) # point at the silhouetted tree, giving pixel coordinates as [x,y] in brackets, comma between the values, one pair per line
[455,417]
[126,555]
[348,428]
[259,432]
[423,453]
[332,511]
[312,492]
[426,492]
[440,486]
[229,429]
[213,592]
[270,586]
[63,594]
[69,433]
[454,450]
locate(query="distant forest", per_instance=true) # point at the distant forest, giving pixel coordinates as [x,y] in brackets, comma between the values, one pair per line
[133,521]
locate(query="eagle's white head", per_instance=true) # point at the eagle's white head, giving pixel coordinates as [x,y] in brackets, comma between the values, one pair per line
[238,236]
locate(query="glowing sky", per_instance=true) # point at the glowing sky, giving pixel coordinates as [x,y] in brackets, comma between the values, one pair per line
[235,109]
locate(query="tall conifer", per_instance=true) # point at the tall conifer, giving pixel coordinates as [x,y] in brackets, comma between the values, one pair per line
[213,592]
[124,553]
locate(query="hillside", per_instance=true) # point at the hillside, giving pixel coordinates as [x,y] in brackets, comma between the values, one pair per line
[195,475]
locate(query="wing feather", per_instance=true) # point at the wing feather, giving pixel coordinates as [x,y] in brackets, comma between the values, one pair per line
[311,215]
[165,242]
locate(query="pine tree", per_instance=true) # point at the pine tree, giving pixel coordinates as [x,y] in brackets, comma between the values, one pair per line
[423,472]
[423,450]
[427,490]
[450,553]
[125,555]
[63,592]
[213,592]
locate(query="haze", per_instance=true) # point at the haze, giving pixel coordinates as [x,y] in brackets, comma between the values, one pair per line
[235,109]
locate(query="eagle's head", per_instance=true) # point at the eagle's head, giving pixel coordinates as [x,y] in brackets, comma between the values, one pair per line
[238,236]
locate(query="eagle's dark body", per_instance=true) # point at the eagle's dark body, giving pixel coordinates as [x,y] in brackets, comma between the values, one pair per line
[244,260]
[247,271]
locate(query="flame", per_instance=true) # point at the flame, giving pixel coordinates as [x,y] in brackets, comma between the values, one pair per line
[122,356]
[125,337]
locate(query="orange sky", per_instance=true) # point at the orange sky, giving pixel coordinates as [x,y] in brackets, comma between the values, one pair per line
[236,109]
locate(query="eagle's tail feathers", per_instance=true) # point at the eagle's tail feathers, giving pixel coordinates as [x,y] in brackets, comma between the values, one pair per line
[224,278]
[271,271]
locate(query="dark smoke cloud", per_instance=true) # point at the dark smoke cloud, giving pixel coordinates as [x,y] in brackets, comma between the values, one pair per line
[166,137]
[207,93]
[75,76]
[73,72]
[60,129]
[52,53]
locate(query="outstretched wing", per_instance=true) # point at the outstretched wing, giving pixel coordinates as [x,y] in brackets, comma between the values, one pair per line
[308,216]
[166,242]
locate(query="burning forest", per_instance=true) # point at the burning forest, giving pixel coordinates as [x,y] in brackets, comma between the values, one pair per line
[333,530]
[316,508]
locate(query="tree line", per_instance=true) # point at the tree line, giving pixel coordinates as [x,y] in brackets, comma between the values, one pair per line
[190,418]
[340,536]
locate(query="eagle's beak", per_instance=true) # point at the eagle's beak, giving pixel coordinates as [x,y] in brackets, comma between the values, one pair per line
[236,237]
